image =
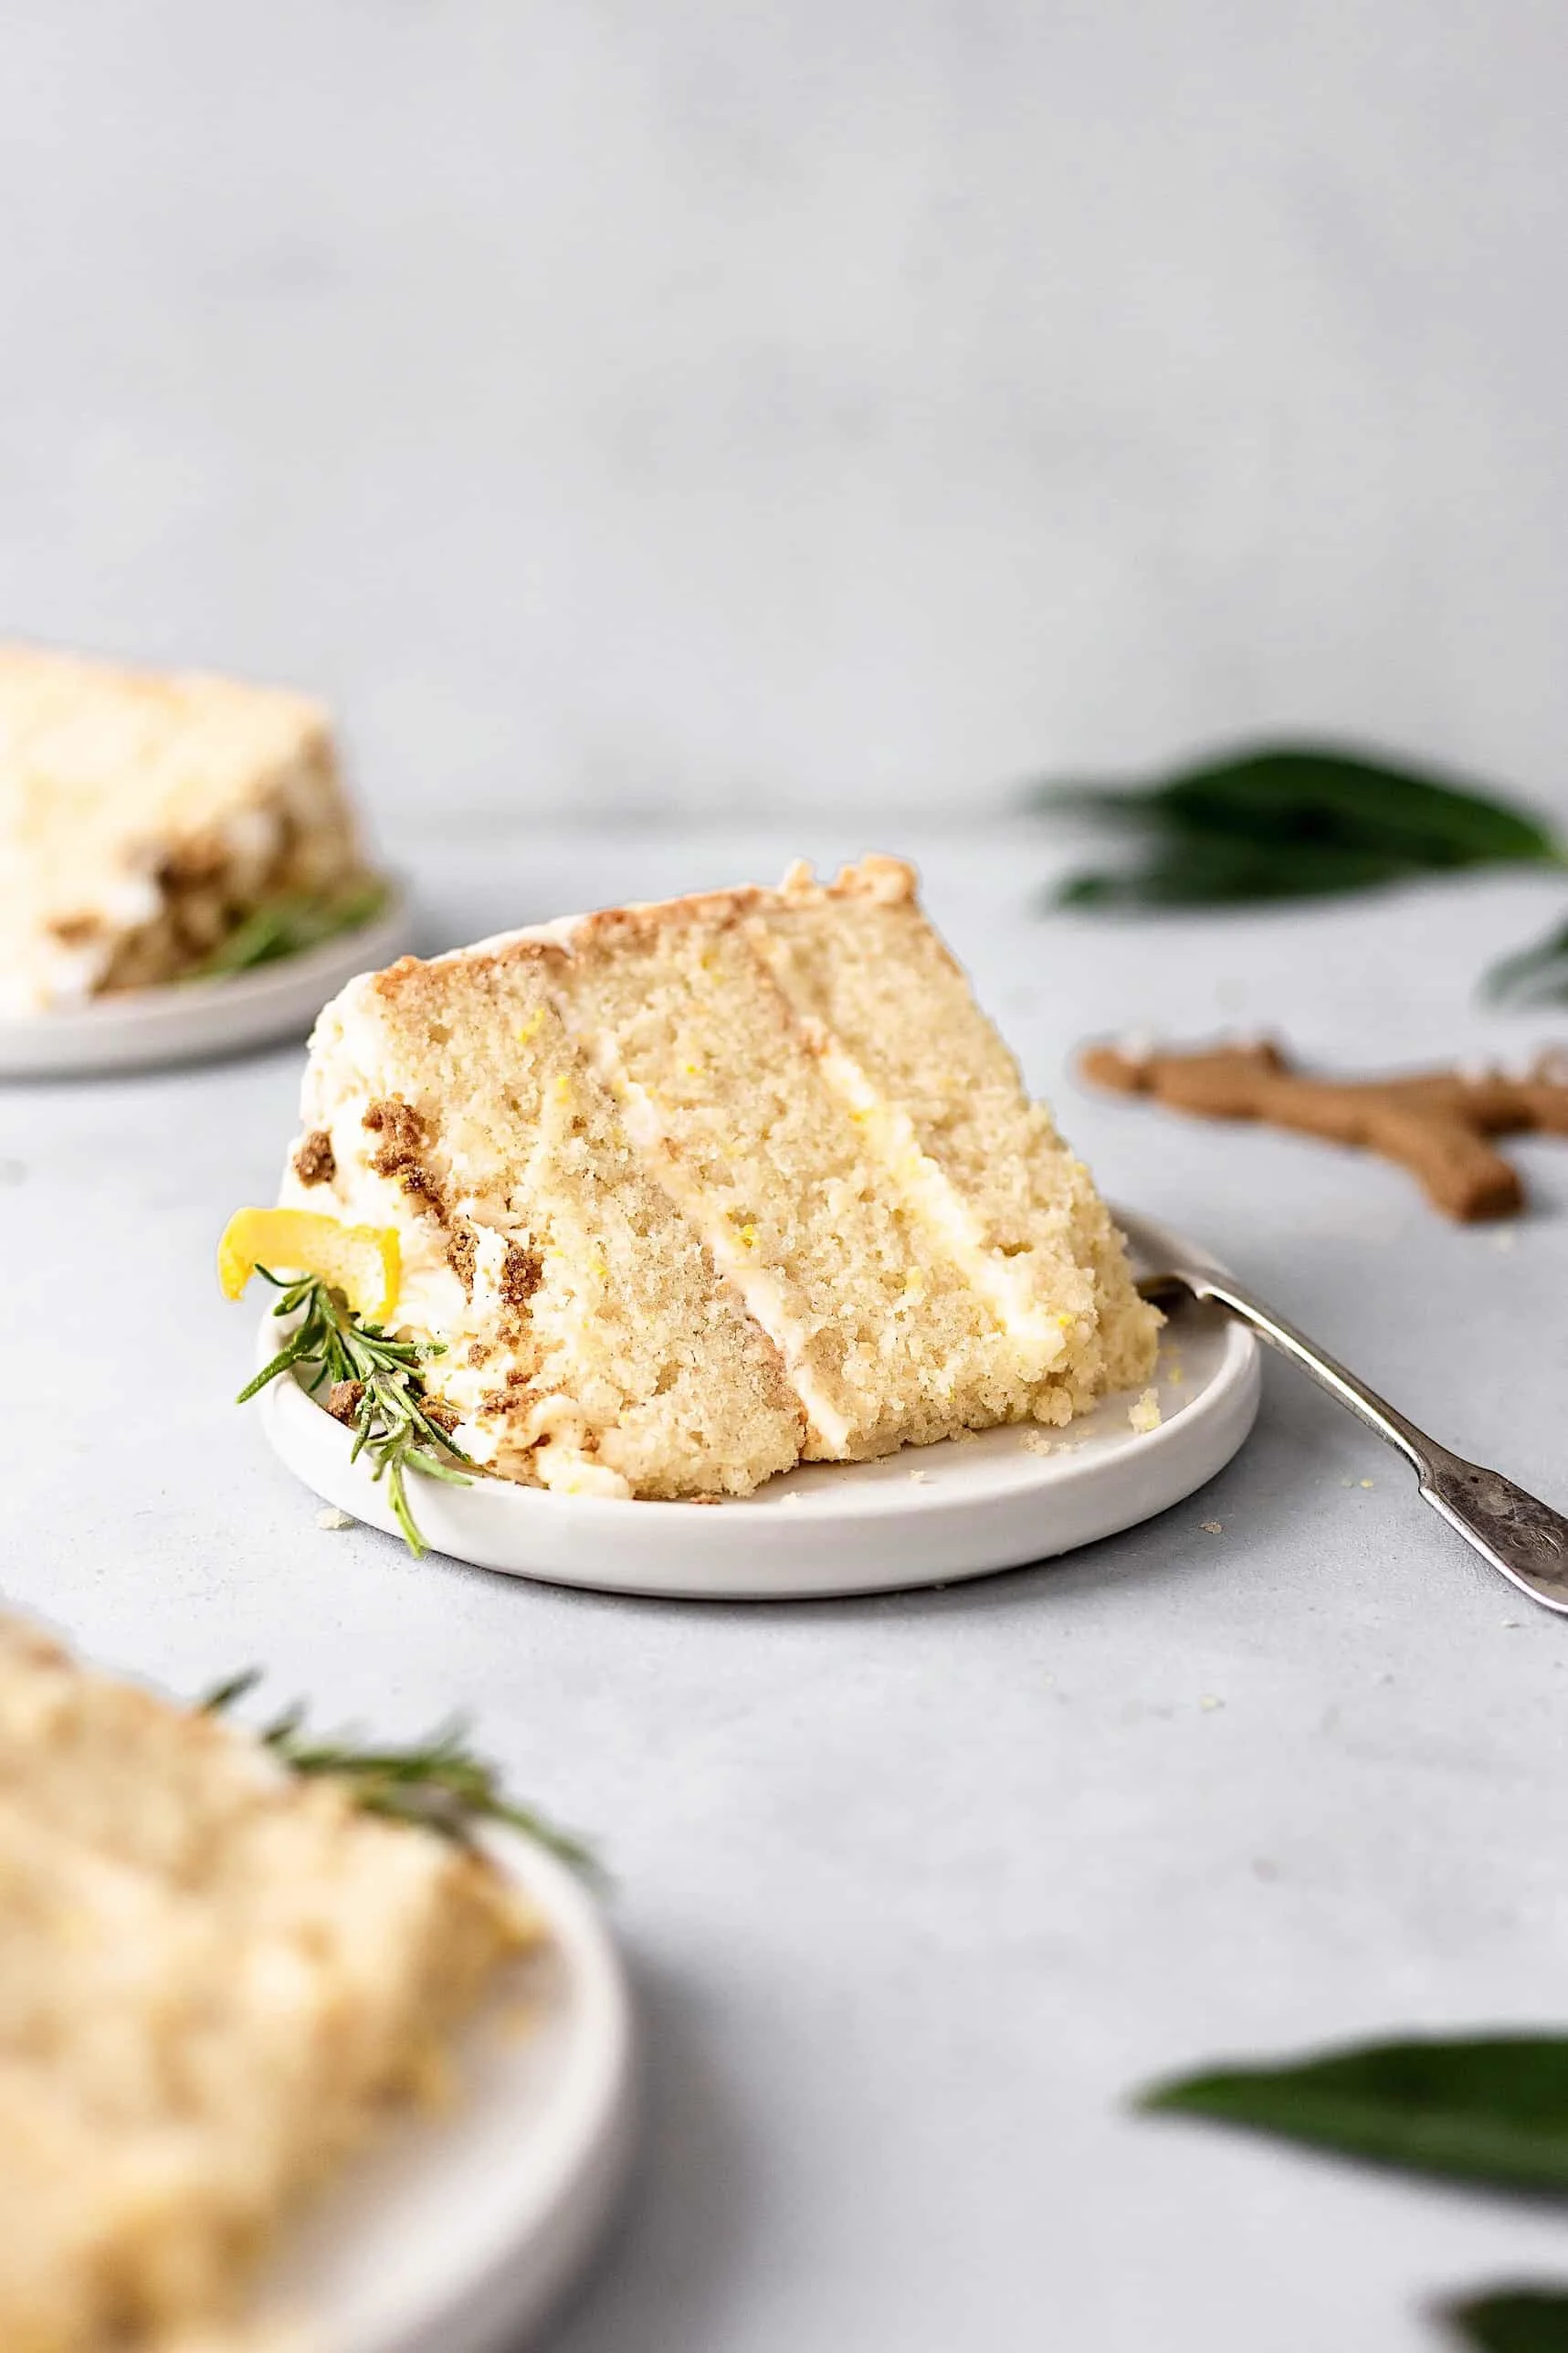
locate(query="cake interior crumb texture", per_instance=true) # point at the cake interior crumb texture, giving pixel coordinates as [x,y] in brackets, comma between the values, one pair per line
[144,818]
[214,1980]
[691,1192]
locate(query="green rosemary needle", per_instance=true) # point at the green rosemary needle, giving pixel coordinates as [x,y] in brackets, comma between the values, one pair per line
[440,1784]
[293,922]
[374,1389]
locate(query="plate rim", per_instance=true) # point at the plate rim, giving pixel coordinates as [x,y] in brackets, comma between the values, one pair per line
[178,1020]
[522,2276]
[1208,1430]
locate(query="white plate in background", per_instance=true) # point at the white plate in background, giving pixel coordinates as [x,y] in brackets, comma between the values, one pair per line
[192,1020]
[460,2226]
[926,1515]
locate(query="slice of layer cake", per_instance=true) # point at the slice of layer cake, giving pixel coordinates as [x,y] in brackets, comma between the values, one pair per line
[145,820]
[214,1979]
[689,1192]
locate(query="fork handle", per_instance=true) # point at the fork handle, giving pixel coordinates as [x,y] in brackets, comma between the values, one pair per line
[1385,1419]
[1512,1530]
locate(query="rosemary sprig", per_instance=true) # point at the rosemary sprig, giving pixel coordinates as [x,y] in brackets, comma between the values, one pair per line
[375,1389]
[289,925]
[440,1784]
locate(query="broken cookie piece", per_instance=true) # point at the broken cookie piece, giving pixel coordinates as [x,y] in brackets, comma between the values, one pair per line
[1438,1124]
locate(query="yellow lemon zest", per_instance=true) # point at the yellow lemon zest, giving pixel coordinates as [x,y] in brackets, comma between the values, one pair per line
[362,1261]
[530,1028]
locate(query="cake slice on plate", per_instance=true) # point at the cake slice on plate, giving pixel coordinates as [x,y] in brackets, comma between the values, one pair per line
[686,1193]
[148,824]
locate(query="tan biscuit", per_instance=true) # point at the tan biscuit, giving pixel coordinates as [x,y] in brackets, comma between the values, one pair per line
[1435,1124]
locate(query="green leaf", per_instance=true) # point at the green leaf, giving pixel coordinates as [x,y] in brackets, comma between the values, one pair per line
[1513,2320]
[286,926]
[1536,976]
[1292,820]
[1197,869]
[1489,2108]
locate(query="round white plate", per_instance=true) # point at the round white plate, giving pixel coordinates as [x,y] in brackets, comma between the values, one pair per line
[924,1516]
[187,1021]
[460,2226]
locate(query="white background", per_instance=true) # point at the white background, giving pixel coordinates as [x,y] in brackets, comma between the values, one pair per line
[638,410]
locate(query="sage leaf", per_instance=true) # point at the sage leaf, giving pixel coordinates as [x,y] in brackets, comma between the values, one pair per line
[1489,2108]
[1512,2320]
[1291,820]
[1536,976]
[1211,871]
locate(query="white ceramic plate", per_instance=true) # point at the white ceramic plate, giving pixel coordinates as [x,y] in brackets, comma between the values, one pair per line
[188,1021]
[461,2226]
[924,1516]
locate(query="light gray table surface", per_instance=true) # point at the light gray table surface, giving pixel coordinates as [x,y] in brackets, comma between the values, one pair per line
[915,1891]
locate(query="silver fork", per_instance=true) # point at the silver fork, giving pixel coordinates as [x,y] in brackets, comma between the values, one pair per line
[1516,1532]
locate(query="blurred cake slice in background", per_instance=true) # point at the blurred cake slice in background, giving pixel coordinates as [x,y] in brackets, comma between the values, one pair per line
[217,1979]
[153,828]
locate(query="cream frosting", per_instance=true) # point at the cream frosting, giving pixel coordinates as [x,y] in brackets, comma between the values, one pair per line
[340,1087]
